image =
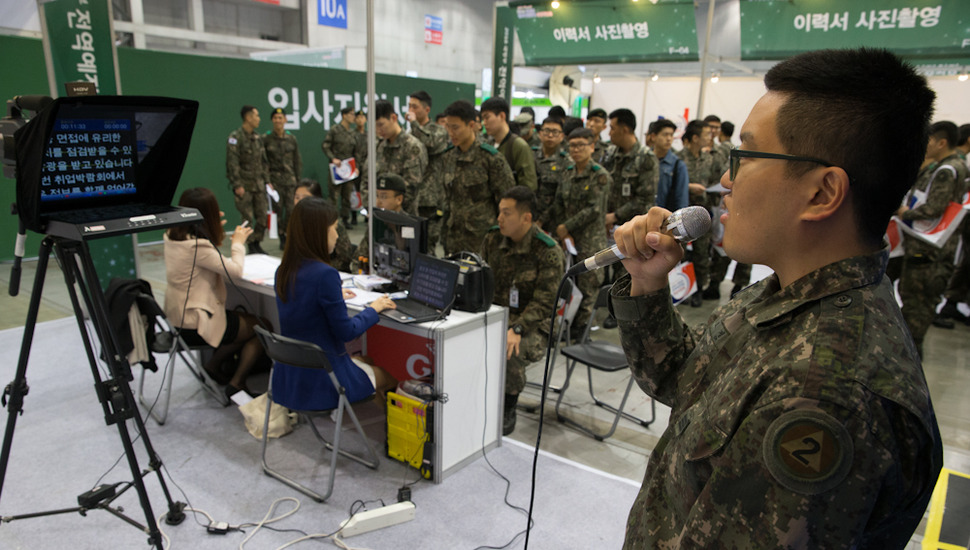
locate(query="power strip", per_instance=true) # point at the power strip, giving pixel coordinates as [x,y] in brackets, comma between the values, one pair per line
[371,520]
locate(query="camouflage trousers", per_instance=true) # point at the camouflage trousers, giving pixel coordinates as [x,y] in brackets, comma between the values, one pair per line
[700,255]
[920,285]
[340,195]
[252,207]
[434,226]
[589,284]
[285,206]
[531,349]
[742,272]
[458,239]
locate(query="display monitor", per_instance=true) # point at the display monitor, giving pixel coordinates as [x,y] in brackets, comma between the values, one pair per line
[398,239]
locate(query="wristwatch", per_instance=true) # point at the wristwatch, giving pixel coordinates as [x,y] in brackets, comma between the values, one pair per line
[518,329]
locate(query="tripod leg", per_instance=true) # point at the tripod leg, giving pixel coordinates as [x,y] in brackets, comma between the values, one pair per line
[115,394]
[18,388]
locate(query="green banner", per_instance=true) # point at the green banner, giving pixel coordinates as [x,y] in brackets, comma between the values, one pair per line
[79,43]
[776,29]
[504,42]
[607,31]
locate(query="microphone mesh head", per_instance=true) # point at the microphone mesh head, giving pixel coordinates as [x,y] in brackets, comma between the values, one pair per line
[689,223]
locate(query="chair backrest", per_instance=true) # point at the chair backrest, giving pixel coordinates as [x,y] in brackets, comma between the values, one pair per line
[291,351]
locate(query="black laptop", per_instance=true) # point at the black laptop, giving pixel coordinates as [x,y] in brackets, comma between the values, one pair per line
[431,292]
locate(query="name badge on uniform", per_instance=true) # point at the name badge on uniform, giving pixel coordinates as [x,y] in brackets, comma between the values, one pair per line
[626,189]
[514,297]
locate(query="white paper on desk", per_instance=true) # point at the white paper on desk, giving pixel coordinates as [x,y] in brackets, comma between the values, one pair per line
[369,282]
[261,269]
[362,297]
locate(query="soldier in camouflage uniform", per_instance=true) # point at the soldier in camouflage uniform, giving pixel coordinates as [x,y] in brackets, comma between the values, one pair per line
[742,271]
[476,177]
[596,121]
[927,268]
[703,171]
[551,162]
[342,143]
[398,152]
[580,206]
[800,417]
[389,195]
[285,166]
[248,173]
[434,137]
[528,266]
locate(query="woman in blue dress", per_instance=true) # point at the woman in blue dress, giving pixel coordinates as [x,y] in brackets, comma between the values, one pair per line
[312,308]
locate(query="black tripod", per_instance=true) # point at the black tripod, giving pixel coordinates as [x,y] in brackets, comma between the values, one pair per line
[114,393]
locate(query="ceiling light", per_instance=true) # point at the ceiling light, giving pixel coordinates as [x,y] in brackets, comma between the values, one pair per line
[596,78]
[555,5]
[715,77]
[655,77]
[963,77]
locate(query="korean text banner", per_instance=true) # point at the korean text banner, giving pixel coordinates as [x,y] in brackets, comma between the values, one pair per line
[775,29]
[81,47]
[601,31]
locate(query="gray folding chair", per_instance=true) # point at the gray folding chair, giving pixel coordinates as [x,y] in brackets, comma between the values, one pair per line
[307,355]
[604,357]
[566,308]
[167,340]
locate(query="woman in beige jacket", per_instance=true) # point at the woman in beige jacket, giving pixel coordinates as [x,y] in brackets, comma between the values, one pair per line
[195,299]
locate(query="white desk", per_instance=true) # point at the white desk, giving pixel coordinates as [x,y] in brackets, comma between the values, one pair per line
[465,352]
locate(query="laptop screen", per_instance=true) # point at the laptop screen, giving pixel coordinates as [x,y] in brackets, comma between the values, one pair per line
[433,281]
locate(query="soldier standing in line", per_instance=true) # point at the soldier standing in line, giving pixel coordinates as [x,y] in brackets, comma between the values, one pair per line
[551,163]
[476,178]
[285,166]
[528,266]
[703,171]
[342,143]
[495,116]
[742,271]
[248,174]
[398,152]
[434,137]
[596,121]
[527,127]
[579,207]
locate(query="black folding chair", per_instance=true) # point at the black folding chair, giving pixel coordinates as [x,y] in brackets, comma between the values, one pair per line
[167,340]
[601,356]
[307,355]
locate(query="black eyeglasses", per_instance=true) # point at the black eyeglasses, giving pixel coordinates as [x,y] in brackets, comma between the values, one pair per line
[737,154]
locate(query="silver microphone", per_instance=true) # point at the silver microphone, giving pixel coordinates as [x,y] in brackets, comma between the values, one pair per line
[683,225]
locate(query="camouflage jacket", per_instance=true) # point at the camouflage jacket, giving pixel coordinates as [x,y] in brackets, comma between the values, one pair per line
[941,183]
[246,164]
[283,155]
[549,170]
[405,157]
[580,205]
[534,267]
[603,151]
[800,417]
[635,176]
[341,144]
[434,137]
[705,169]
[475,181]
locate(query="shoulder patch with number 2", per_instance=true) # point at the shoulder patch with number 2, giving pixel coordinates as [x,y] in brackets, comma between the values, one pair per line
[807,451]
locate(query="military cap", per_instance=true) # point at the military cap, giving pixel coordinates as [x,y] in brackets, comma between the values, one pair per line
[277,111]
[392,182]
[523,118]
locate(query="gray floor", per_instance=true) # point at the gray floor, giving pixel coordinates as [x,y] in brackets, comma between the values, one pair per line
[625,454]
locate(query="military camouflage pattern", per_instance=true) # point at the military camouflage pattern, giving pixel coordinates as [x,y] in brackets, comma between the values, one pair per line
[405,157]
[534,266]
[343,143]
[549,171]
[534,141]
[580,205]
[431,194]
[800,416]
[285,169]
[343,252]
[247,167]
[635,175]
[926,268]
[602,151]
[705,170]
[475,181]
